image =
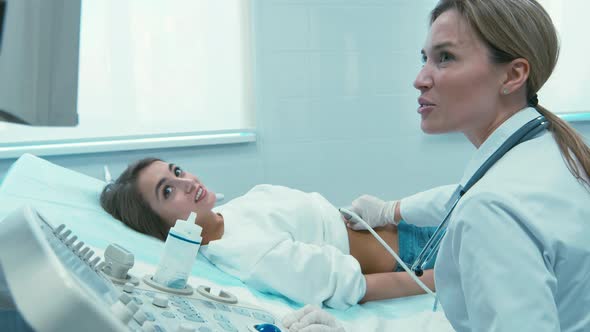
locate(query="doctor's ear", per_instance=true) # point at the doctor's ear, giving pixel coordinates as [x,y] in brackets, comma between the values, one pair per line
[516,76]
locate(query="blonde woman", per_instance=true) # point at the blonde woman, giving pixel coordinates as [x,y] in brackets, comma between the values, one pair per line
[516,254]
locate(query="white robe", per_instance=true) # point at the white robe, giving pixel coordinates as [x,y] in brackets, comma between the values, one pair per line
[516,256]
[288,242]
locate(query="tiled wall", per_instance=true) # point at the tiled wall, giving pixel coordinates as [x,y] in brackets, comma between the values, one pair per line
[335,107]
[337,110]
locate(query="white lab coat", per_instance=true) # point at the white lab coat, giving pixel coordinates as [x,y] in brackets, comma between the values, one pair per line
[516,256]
[285,241]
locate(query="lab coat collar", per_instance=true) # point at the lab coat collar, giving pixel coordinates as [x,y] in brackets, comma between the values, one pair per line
[499,136]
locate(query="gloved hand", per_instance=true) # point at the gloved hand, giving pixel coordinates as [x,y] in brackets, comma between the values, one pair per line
[311,318]
[374,211]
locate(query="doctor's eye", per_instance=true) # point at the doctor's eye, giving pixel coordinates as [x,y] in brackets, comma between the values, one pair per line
[167,191]
[445,56]
[178,171]
[423,59]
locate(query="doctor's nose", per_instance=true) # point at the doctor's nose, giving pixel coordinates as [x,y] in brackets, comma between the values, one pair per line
[423,80]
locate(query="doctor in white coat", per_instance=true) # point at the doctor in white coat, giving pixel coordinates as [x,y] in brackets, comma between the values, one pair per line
[516,255]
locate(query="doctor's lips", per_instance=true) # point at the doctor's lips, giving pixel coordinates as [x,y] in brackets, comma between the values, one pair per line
[424,105]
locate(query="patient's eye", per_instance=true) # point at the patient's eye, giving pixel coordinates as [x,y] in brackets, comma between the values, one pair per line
[178,171]
[166,191]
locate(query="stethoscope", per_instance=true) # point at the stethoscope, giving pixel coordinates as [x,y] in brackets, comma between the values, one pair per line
[525,133]
[530,130]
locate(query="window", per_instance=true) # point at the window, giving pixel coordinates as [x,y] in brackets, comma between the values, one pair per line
[567,88]
[156,69]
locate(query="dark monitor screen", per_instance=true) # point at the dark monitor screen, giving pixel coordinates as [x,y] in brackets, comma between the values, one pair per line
[2,8]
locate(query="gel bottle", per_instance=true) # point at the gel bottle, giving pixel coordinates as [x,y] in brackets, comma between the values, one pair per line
[180,251]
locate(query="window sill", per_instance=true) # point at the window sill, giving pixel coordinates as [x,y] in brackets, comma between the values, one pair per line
[575,117]
[125,144]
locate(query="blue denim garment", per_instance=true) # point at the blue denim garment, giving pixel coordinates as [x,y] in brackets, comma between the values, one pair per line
[411,241]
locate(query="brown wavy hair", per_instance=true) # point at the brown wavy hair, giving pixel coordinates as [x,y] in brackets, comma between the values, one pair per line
[123,201]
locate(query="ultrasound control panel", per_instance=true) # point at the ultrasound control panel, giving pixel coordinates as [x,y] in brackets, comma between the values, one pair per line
[156,310]
[58,284]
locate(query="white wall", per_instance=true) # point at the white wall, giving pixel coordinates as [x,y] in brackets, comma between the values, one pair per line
[335,107]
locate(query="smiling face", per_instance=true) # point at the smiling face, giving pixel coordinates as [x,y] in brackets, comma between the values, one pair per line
[173,193]
[459,85]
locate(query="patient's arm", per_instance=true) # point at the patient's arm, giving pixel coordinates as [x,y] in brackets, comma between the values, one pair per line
[395,284]
[377,265]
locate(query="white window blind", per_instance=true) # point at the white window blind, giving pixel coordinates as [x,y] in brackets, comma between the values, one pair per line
[567,89]
[157,68]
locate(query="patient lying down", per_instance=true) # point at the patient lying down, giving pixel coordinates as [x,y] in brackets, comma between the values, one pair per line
[275,239]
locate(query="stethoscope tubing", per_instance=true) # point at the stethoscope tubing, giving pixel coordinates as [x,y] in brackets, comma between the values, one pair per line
[530,130]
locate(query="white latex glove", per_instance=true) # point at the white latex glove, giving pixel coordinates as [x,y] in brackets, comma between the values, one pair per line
[311,318]
[374,211]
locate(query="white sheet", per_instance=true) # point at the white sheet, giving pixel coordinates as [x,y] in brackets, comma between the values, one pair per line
[65,196]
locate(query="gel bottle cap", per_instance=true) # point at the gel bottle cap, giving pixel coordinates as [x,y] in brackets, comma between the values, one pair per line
[188,228]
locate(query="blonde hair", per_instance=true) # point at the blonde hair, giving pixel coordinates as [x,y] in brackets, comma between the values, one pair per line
[514,29]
